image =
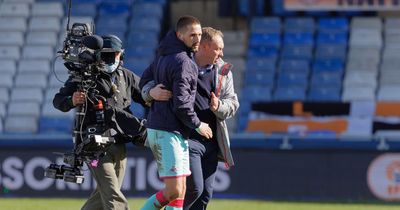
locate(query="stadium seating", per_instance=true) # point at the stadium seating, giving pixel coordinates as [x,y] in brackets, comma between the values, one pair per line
[83,9]
[13,9]
[4,96]
[358,93]
[148,10]
[42,38]
[6,80]
[323,59]
[49,112]
[55,125]
[389,92]
[312,56]
[12,38]
[3,110]
[324,94]
[31,80]
[13,24]
[289,94]
[8,67]
[13,125]
[31,31]
[2,107]
[43,23]
[302,52]
[10,52]
[27,95]
[38,66]
[257,94]
[47,9]
[23,108]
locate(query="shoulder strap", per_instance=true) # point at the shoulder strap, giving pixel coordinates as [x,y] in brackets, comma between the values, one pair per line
[225,69]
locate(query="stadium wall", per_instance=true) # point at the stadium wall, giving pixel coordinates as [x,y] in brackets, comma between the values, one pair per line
[260,173]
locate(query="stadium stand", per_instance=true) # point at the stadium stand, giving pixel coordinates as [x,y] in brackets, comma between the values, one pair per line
[311,57]
[320,58]
[30,34]
[319,95]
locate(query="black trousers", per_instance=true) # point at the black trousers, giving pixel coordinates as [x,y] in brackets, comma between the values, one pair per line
[203,165]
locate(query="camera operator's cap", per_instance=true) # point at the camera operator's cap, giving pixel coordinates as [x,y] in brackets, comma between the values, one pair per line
[111,43]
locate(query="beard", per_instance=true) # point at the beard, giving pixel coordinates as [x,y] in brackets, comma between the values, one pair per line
[195,47]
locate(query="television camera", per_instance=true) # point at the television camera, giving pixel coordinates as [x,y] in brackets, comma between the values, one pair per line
[81,53]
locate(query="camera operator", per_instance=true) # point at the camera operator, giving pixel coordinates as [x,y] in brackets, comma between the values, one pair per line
[118,86]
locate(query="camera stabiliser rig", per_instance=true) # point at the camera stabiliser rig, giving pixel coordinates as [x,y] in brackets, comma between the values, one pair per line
[80,52]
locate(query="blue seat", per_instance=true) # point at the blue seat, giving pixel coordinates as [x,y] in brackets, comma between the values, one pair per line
[326,79]
[148,10]
[299,24]
[264,79]
[332,38]
[243,114]
[331,52]
[114,8]
[245,106]
[289,94]
[266,25]
[137,65]
[145,38]
[294,66]
[137,110]
[298,38]
[119,32]
[145,24]
[297,52]
[112,22]
[84,9]
[140,52]
[322,94]
[246,8]
[242,122]
[292,79]
[333,24]
[260,65]
[265,39]
[266,52]
[257,94]
[328,66]
[55,125]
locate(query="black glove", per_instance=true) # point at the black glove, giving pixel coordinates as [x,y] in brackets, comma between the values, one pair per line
[131,128]
[140,139]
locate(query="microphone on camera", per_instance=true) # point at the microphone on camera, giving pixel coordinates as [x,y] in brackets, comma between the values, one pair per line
[93,42]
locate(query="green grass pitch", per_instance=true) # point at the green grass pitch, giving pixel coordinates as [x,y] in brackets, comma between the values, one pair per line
[216,204]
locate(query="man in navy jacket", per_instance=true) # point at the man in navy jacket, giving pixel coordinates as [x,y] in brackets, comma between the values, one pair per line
[169,123]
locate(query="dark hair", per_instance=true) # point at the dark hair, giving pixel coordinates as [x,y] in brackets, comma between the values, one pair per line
[186,21]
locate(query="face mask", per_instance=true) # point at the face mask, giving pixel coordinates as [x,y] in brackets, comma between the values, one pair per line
[110,68]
